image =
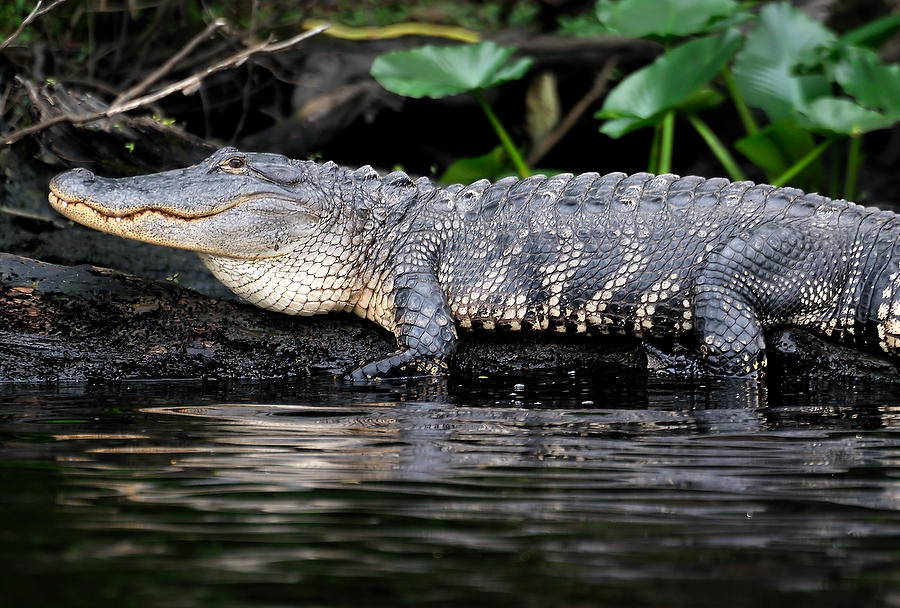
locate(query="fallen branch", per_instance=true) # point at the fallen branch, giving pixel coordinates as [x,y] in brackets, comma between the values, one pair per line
[566,124]
[34,14]
[186,85]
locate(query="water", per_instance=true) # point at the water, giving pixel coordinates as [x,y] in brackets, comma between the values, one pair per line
[539,490]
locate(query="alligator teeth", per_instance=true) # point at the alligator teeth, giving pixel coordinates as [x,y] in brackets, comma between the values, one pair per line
[65,204]
[118,220]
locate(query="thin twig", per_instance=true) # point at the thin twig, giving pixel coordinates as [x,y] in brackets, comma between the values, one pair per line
[190,84]
[169,64]
[36,12]
[566,124]
[187,85]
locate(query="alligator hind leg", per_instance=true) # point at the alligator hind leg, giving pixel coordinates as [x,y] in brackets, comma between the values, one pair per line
[774,274]
[731,338]
[426,333]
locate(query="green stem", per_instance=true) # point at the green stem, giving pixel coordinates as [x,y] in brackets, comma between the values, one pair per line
[505,140]
[835,174]
[802,164]
[739,104]
[666,143]
[854,158]
[717,147]
[653,161]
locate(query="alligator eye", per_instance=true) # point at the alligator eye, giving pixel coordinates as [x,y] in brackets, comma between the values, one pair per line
[235,164]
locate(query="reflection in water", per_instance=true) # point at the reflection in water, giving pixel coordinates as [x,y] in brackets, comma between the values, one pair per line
[547,490]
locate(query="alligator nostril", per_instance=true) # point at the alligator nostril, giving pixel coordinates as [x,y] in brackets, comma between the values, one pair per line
[84,174]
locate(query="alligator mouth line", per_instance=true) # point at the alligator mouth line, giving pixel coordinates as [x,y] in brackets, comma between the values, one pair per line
[76,207]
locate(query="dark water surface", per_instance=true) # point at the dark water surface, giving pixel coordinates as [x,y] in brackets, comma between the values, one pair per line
[541,490]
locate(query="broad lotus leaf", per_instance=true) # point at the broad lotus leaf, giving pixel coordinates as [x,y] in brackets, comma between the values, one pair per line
[764,69]
[842,117]
[874,84]
[671,80]
[440,71]
[664,18]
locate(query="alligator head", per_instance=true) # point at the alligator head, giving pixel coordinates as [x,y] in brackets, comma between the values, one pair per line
[234,204]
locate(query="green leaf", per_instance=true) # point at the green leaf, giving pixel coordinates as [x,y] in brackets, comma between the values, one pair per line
[777,147]
[874,33]
[764,68]
[439,71]
[843,117]
[703,99]
[468,170]
[580,26]
[671,80]
[663,18]
[872,83]
[617,127]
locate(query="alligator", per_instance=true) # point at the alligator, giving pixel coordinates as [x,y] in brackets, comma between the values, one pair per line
[708,263]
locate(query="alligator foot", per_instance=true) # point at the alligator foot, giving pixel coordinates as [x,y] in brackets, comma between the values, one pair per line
[684,362]
[679,362]
[402,364]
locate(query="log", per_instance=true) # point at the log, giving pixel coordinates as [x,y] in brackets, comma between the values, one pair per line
[77,323]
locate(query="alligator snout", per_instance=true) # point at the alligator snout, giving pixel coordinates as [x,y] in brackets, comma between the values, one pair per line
[73,182]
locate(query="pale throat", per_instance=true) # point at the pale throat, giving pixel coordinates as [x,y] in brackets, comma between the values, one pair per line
[287,284]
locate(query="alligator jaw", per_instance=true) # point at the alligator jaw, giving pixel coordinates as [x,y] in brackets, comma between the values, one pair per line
[152,225]
[62,201]
[221,230]
[83,212]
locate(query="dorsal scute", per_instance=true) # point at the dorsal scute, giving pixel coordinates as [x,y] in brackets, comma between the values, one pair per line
[754,197]
[398,179]
[601,191]
[469,197]
[520,193]
[629,192]
[688,183]
[712,185]
[398,193]
[477,186]
[806,205]
[424,185]
[549,191]
[575,192]
[780,199]
[497,193]
[365,173]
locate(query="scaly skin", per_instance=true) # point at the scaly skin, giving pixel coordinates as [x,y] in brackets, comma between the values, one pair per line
[658,257]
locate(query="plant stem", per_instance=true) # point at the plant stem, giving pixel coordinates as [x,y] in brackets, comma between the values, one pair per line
[505,140]
[739,104]
[854,158]
[717,147]
[835,174]
[653,161]
[666,143]
[802,164]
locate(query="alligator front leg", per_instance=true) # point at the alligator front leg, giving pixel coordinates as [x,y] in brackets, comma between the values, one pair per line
[426,334]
